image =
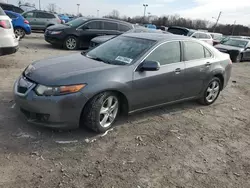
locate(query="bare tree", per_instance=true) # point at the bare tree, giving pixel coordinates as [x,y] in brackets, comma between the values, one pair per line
[51,7]
[114,14]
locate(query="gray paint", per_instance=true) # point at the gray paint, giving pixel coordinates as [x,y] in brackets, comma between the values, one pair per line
[142,89]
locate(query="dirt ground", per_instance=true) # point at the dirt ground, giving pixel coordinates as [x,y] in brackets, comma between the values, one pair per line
[178,146]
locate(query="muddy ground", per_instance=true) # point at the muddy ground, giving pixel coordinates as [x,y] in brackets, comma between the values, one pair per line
[180,146]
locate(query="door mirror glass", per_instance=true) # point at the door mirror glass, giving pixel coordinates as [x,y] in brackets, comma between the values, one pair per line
[247,48]
[85,27]
[150,66]
[194,36]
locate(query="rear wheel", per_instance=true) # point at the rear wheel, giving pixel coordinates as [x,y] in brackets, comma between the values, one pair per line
[19,32]
[211,92]
[101,112]
[71,43]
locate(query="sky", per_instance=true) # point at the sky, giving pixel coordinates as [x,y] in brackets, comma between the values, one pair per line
[195,9]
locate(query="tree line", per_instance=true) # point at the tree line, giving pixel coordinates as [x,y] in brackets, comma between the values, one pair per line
[176,20]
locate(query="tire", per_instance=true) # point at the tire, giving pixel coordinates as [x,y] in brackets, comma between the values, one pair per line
[215,92]
[101,112]
[19,32]
[71,43]
[238,58]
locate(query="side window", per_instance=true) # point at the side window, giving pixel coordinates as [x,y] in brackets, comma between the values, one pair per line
[110,26]
[41,15]
[12,16]
[123,27]
[18,10]
[193,51]
[203,36]
[29,15]
[207,53]
[196,35]
[94,25]
[48,16]
[166,53]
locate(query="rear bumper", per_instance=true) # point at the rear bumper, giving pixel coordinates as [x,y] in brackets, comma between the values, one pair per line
[8,50]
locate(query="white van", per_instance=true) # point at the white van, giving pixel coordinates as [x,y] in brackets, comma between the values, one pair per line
[8,41]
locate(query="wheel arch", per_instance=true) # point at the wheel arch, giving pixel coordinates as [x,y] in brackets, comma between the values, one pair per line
[124,108]
[221,77]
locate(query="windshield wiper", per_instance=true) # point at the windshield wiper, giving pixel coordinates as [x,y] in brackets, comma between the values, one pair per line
[99,59]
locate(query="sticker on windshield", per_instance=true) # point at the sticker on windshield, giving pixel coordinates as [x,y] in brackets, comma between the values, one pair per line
[124,59]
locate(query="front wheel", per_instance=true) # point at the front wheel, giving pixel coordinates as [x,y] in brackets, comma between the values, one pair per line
[212,92]
[71,43]
[101,112]
[19,32]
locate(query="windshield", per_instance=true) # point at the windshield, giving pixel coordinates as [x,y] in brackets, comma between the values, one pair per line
[190,33]
[77,22]
[121,50]
[216,36]
[236,43]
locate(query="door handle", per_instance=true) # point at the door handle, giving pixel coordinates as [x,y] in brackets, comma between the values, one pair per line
[177,71]
[208,64]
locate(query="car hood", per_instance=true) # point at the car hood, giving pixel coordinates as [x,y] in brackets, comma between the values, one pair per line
[102,39]
[226,47]
[65,70]
[58,27]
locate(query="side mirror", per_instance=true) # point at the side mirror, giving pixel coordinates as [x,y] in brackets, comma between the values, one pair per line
[194,36]
[247,48]
[149,66]
[85,27]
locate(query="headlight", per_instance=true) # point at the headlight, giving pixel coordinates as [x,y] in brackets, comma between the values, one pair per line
[29,69]
[55,32]
[60,90]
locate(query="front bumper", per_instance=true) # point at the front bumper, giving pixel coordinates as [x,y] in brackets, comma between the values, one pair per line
[50,111]
[53,39]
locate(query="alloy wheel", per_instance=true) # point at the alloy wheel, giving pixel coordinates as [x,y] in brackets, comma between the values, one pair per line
[19,32]
[71,43]
[213,91]
[109,111]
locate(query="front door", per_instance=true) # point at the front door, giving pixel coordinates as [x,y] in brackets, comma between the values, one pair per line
[152,88]
[89,31]
[246,53]
[30,16]
[41,19]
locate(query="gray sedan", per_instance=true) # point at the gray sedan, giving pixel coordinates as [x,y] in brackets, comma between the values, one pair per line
[129,73]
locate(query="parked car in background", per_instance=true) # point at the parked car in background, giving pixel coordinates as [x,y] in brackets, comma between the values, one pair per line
[138,29]
[8,41]
[11,7]
[206,37]
[150,26]
[79,32]
[238,49]
[40,20]
[217,37]
[64,18]
[21,26]
[130,73]
[163,28]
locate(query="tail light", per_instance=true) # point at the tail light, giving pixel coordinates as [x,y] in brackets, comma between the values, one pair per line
[5,24]
[230,61]
[26,21]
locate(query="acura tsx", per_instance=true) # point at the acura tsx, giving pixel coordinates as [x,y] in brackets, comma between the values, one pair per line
[130,73]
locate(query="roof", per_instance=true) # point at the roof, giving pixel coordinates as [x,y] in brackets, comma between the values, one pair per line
[11,12]
[109,19]
[157,36]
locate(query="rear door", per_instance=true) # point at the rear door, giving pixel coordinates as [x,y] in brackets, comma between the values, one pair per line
[110,28]
[41,20]
[246,54]
[198,61]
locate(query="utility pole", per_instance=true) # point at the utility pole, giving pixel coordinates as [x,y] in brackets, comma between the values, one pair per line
[39,4]
[78,6]
[233,28]
[145,7]
[217,21]
[97,13]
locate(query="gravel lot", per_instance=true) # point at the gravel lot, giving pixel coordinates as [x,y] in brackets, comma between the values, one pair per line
[184,145]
